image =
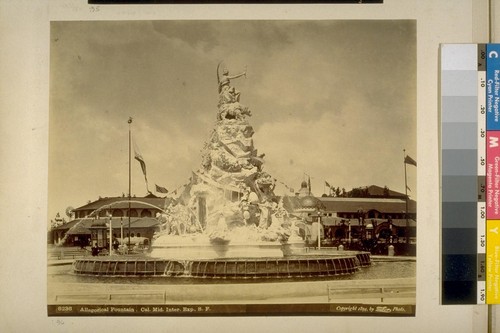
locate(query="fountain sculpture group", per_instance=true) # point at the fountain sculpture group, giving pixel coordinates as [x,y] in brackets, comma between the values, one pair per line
[228,223]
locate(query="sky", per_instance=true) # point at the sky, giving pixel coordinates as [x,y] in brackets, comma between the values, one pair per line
[334,100]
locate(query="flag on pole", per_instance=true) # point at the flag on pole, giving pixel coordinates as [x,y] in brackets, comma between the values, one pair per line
[327,185]
[309,184]
[138,157]
[409,160]
[143,164]
[161,189]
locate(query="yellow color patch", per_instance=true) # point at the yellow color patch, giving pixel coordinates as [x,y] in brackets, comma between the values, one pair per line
[493,261]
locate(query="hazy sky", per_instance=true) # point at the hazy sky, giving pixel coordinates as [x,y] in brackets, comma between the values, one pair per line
[333,99]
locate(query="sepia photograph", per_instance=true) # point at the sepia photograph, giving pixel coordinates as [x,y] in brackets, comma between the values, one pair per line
[232,167]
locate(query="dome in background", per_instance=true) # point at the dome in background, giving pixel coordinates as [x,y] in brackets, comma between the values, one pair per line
[309,202]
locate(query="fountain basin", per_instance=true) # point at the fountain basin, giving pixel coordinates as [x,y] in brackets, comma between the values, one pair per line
[234,268]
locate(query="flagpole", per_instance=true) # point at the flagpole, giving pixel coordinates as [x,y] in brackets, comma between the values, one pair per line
[129,175]
[406,203]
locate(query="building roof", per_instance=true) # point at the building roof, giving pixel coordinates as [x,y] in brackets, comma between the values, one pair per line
[296,203]
[372,191]
[377,191]
[83,226]
[352,205]
[122,203]
[145,222]
[383,205]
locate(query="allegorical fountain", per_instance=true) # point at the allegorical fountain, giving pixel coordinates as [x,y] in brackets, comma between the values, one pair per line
[228,222]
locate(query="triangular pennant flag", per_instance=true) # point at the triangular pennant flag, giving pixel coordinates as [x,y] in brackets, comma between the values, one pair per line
[161,189]
[409,160]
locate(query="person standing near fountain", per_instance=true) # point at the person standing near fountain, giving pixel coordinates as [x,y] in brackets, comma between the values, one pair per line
[95,250]
[115,245]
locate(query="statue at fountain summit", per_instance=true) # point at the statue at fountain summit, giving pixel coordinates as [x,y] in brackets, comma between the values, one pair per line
[230,198]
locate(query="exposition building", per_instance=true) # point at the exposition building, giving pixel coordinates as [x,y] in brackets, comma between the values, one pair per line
[370,215]
[90,223]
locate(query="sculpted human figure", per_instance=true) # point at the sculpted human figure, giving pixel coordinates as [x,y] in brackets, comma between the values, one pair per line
[229,98]
[235,94]
[229,105]
[265,208]
[225,80]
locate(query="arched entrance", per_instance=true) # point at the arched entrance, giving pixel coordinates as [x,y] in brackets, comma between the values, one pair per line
[383,230]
